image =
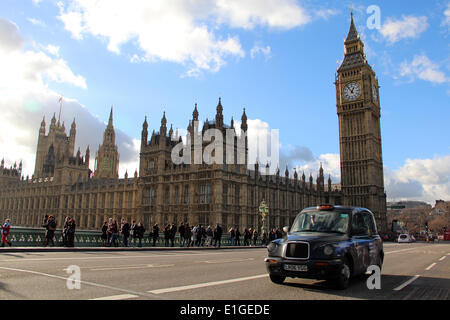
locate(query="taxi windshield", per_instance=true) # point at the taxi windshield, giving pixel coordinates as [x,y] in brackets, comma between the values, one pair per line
[321,221]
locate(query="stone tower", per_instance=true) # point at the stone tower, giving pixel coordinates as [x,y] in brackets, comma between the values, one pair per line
[53,146]
[107,159]
[358,109]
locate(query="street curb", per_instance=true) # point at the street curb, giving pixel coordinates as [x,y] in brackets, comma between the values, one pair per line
[119,249]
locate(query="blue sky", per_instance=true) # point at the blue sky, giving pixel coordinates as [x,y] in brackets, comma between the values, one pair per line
[275,58]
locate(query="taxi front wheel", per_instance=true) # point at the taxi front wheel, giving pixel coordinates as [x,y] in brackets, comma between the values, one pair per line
[277,279]
[343,279]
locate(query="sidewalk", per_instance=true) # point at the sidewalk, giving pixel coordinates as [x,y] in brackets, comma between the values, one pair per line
[114,249]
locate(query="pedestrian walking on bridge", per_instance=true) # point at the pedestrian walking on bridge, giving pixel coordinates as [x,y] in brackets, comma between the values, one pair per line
[50,226]
[6,227]
[155,234]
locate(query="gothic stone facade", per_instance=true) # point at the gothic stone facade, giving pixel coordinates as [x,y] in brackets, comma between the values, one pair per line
[163,192]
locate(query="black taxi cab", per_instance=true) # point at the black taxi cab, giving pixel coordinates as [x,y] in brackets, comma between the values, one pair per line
[326,242]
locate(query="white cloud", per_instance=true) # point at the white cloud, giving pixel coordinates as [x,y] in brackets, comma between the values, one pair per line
[36,22]
[248,14]
[407,27]
[326,13]
[182,32]
[423,68]
[25,98]
[330,163]
[446,21]
[265,51]
[420,179]
[51,49]
[9,34]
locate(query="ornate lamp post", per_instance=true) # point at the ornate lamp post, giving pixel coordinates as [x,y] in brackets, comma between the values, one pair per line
[264,211]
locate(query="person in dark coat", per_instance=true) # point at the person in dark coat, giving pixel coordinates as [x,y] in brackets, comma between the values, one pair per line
[140,230]
[209,236]
[173,232]
[181,230]
[255,237]
[238,237]
[187,234]
[50,226]
[247,237]
[104,233]
[155,234]
[125,230]
[166,235]
[264,239]
[201,235]
[272,235]
[278,233]
[70,232]
[218,235]
[64,231]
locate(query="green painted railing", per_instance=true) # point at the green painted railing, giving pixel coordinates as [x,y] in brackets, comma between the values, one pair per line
[34,237]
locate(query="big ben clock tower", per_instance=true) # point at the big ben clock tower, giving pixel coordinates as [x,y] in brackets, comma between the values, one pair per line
[358,109]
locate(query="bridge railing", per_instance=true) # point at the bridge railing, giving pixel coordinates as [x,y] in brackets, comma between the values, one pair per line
[34,237]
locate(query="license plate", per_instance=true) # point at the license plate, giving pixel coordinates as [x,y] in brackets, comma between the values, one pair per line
[295,267]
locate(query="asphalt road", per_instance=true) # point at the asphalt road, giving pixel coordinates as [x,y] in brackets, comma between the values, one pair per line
[410,271]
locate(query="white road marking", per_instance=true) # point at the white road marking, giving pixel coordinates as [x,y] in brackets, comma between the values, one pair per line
[400,287]
[441,259]
[81,281]
[226,260]
[133,267]
[430,266]
[118,297]
[401,250]
[206,284]
[123,256]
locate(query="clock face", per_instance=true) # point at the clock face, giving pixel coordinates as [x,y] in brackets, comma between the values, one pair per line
[352,91]
[374,93]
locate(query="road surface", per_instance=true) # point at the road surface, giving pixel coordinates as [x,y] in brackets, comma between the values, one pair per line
[410,271]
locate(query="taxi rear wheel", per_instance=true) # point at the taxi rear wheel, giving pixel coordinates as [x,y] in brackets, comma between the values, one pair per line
[277,278]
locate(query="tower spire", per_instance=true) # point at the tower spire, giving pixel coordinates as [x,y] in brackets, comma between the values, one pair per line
[110,122]
[352,33]
[195,113]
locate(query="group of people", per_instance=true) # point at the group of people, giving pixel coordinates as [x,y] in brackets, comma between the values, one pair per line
[251,236]
[131,233]
[189,236]
[195,236]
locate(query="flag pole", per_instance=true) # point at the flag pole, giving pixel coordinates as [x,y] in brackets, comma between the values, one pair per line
[60,107]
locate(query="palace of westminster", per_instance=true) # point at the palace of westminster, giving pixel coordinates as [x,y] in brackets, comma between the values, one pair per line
[162,192]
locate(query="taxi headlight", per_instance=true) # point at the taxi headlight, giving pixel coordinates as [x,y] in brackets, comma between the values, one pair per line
[271,247]
[328,250]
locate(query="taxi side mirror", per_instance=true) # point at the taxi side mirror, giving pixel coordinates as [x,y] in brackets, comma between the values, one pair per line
[285,229]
